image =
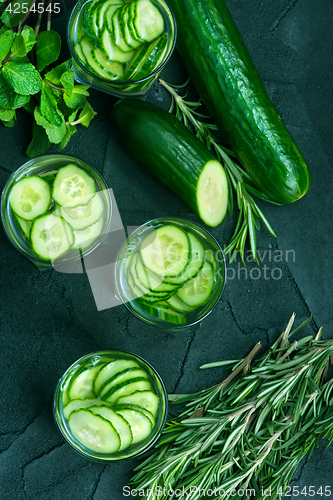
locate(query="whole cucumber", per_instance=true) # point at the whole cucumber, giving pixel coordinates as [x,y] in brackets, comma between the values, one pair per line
[224,74]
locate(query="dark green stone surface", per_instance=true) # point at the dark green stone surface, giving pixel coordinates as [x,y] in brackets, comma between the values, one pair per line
[49,319]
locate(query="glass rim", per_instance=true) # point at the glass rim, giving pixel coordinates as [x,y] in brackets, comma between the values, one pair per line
[163,393]
[166,325]
[3,208]
[119,83]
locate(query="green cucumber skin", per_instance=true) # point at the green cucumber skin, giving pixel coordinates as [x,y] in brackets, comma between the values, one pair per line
[163,145]
[224,74]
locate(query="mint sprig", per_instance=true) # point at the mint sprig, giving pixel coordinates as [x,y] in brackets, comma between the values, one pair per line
[31,79]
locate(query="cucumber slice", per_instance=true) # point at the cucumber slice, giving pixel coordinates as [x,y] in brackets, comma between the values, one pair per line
[51,237]
[110,370]
[197,257]
[83,216]
[118,34]
[86,237]
[148,414]
[166,251]
[72,185]
[81,386]
[147,20]
[94,432]
[112,70]
[120,424]
[106,11]
[211,193]
[110,50]
[140,424]
[127,31]
[24,226]
[146,399]
[164,313]
[79,54]
[154,58]
[79,404]
[30,197]
[151,281]
[90,21]
[131,385]
[197,291]
[119,380]
[179,305]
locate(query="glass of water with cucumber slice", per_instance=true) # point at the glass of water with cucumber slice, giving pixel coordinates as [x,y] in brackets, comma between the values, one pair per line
[110,405]
[119,46]
[55,208]
[170,273]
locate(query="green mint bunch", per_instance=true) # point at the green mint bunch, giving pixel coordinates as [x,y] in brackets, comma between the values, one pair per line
[30,80]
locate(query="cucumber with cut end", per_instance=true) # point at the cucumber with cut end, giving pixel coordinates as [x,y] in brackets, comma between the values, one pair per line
[30,197]
[120,424]
[79,404]
[72,185]
[172,153]
[140,424]
[165,251]
[197,291]
[86,237]
[110,370]
[51,236]
[146,399]
[83,216]
[94,432]
[223,72]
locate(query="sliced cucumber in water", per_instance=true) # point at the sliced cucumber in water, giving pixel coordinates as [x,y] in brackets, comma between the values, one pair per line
[119,423]
[120,379]
[125,388]
[165,251]
[81,386]
[146,399]
[86,237]
[197,291]
[51,237]
[72,185]
[83,216]
[110,370]
[30,197]
[140,424]
[148,22]
[197,257]
[24,226]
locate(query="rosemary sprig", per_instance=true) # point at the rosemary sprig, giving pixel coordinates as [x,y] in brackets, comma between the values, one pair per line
[239,181]
[249,432]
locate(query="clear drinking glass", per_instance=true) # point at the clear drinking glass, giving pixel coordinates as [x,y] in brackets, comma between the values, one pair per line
[101,358]
[46,167]
[213,253]
[126,86]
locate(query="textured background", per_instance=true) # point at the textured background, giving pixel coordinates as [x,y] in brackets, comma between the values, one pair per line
[48,319]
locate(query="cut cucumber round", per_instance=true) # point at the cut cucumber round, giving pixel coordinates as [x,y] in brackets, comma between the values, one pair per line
[148,22]
[79,404]
[211,193]
[146,412]
[140,424]
[132,385]
[51,237]
[24,226]
[154,58]
[146,399]
[164,312]
[87,236]
[197,257]
[179,305]
[30,197]
[120,424]
[81,386]
[110,50]
[197,291]
[110,370]
[83,216]
[120,379]
[94,432]
[72,185]
[166,251]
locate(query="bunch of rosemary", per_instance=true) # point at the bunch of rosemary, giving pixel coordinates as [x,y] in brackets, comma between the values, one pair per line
[248,433]
[250,216]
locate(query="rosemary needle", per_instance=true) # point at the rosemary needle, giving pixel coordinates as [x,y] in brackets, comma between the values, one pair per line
[249,216]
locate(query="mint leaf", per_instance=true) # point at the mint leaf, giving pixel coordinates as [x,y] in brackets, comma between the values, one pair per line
[9,99]
[18,48]
[49,106]
[71,129]
[47,48]
[67,81]
[9,123]
[56,73]
[55,133]
[15,12]
[74,101]
[40,142]
[86,115]
[22,77]
[6,41]
[81,89]
[6,115]
[29,37]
